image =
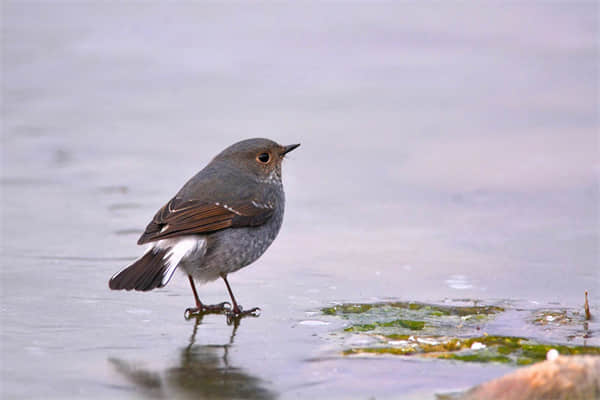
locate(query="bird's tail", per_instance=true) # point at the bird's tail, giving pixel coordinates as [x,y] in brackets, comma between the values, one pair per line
[153,270]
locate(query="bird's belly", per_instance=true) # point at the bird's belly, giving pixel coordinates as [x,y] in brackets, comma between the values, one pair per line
[231,249]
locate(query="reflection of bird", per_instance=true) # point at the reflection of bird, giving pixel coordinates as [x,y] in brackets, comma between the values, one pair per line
[223,219]
[201,374]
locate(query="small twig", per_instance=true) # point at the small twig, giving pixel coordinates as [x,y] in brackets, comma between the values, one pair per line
[588,315]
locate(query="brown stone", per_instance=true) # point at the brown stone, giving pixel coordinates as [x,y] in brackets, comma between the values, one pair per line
[566,377]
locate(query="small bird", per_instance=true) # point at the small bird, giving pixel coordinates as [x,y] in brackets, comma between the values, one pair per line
[223,219]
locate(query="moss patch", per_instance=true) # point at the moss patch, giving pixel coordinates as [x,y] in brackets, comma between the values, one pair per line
[398,323]
[480,357]
[502,349]
[400,318]
[347,309]
[549,317]
[431,309]
[453,332]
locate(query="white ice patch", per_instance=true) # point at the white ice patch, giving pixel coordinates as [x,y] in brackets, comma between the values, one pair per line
[477,346]
[177,249]
[313,323]
[552,355]
[431,342]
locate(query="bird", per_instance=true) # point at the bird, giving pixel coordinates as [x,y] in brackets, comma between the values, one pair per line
[223,219]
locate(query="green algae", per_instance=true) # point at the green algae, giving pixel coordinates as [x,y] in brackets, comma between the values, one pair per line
[538,351]
[406,323]
[431,309]
[476,357]
[453,332]
[498,349]
[395,336]
[557,317]
[402,323]
[379,350]
[347,309]
[361,328]
[397,318]
[522,361]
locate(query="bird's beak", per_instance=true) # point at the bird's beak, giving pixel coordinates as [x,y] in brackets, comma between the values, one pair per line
[288,148]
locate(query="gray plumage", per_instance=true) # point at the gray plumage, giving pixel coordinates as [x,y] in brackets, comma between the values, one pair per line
[222,219]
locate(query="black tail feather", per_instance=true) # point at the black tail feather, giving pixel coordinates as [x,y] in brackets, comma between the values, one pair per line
[144,274]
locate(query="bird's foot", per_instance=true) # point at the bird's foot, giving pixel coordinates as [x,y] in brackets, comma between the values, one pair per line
[238,312]
[201,309]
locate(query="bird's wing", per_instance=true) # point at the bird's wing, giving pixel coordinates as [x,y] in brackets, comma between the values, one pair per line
[183,217]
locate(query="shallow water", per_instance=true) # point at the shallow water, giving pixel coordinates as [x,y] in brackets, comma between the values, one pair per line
[447,152]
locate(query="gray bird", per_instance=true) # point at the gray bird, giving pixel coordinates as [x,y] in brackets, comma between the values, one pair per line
[222,219]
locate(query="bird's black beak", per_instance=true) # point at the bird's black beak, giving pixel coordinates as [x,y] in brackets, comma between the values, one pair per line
[288,148]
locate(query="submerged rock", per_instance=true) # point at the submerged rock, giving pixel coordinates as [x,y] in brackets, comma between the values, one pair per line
[566,377]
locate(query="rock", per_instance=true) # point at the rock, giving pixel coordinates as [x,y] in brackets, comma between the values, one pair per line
[565,377]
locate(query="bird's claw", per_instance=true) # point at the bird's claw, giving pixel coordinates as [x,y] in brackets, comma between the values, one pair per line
[236,314]
[223,307]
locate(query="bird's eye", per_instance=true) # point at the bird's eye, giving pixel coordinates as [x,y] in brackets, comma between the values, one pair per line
[263,157]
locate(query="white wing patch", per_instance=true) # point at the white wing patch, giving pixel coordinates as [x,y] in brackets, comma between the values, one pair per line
[177,250]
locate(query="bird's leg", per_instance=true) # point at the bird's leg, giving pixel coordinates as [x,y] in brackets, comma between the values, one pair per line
[237,310]
[204,308]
